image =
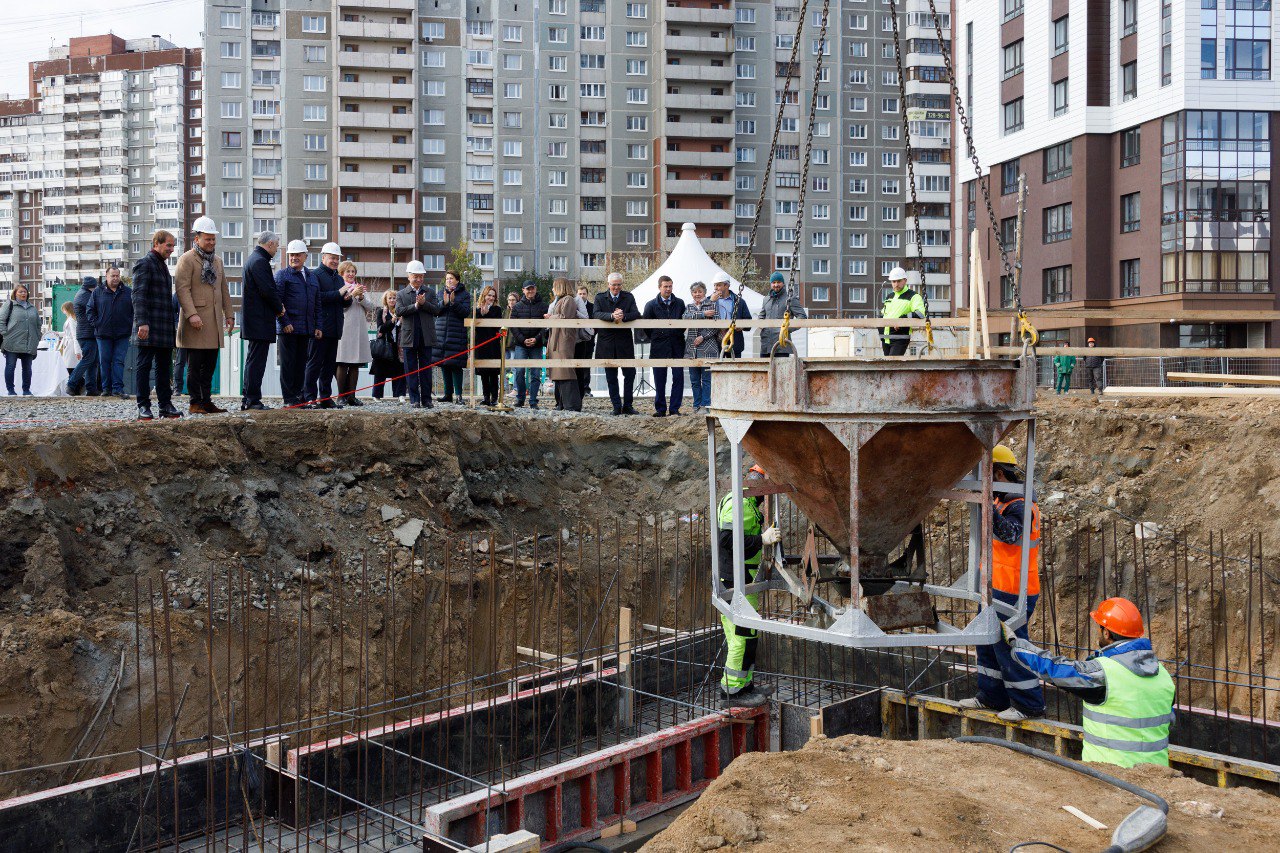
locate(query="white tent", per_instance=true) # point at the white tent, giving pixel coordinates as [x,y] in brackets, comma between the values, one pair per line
[687,263]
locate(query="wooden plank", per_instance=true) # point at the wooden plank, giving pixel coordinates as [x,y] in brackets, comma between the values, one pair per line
[1229,378]
[1094,822]
[1142,352]
[1134,391]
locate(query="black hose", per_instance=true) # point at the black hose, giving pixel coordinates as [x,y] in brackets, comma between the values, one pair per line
[587,845]
[1071,765]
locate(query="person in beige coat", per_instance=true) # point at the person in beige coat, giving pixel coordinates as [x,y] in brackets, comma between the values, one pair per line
[204,313]
[561,343]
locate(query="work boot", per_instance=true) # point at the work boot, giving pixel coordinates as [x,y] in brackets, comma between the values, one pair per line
[748,697]
[168,411]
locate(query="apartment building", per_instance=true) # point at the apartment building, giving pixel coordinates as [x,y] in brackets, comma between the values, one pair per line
[1144,131]
[106,149]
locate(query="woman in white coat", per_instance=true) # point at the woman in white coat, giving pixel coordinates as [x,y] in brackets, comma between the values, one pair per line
[353,349]
[68,347]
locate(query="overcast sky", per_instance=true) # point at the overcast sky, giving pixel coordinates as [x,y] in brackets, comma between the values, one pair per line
[31,27]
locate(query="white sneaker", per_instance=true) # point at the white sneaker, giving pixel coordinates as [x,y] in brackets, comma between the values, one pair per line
[973,704]
[1012,715]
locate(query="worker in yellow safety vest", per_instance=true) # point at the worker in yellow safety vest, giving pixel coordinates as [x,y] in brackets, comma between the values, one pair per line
[737,685]
[1128,694]
[902,302]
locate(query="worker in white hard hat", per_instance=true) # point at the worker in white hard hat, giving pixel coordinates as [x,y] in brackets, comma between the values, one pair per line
[322,354]
[902,302]
[204,315]
[417,306]
[300,322]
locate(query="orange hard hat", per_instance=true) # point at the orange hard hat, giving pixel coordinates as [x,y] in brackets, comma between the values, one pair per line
[1119,616]
[1091,341]
[756,469]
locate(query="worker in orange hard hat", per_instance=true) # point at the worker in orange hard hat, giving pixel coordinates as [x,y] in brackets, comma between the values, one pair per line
[1128,695]
[1095,367]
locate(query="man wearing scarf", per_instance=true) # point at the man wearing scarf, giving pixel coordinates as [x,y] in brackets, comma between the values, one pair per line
[204,313]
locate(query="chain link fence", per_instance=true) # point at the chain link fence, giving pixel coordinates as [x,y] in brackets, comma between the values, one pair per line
[1153,372]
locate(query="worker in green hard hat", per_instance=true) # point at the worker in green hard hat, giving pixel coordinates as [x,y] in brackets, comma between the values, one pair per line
[737,685]
[902,302]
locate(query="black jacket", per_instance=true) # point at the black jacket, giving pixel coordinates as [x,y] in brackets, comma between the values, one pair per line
[111,314]
[526,310]
[492,349]
[153,302]
[80,305]
[665,343]
[260,303]
[332,303]
[451,331]
[615,343]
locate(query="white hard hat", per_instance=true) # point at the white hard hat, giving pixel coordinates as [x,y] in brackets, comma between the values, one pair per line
[296,247]
[331,249]
[204,225]
[415,268]
[897,274]
[722,278]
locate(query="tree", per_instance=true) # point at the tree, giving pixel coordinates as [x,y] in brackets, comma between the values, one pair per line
[634,266]
[741,267]
[464,266]
[515,284]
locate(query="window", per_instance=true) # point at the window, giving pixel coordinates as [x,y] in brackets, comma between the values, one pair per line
[634,39]
[744,15]
[317,171]
[1128,17]
[1130,212]
[314,83]
[232,109]
[637,96]
[746,71]
[1057,223]
[592,232]
[890,213]
[433,59]
[512,120]
[433,146]
[515,62]
[557,7]
[433,204]
[1013,116]
[433,176]
[1060,97]
[1057,284]
[1061,35]
[233,259]
[591,60]
[511,148]
[637,10]
[637,66]
[1248,59]
[591,33]
[312,112]
[513,234]
[558,35]
[745,44]
[230,20]
[432,30]
[232,139]
[889,159]
[1129,81]
[557,178]
[890,241]
[433,234]
[637,179]
[1208,58]
[820,294]
[820,266]
[315,142]
[1131,147]
[314,24]
[266,77]
[512,90]
[433,117]
[557,92]
[232,200]
[637,236]
[513,205]
[1009,232]
[232,79]
[1057,162]
[888,105]
[315,201]
[314,53]
[637,208]
[231,169]
[512,32]
[890,186]
[557,234]
[230,50]
[557,120]
[1130,278]
[637,151]
[592,119]
[1011,8]
[1012,59]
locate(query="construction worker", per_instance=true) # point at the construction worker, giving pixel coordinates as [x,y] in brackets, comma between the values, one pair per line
[737,687]
[1128,695]
[1094,365]
[1002,684]
[903,302]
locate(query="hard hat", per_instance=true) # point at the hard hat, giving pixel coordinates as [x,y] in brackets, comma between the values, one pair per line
[204,225]
[1002,455]
[415,268]
[1091,340]
[897,274]
[722,278]
[331,249]
[296,247]
[755,473]
[1119,616]
[778,277]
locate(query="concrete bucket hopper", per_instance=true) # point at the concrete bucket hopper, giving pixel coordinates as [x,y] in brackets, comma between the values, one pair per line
[866,449]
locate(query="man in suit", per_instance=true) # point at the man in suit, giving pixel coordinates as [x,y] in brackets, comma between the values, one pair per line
[322,355]
[155,328]
[417,306]
[299,323]
[260,305]
[666,343]
[619,306]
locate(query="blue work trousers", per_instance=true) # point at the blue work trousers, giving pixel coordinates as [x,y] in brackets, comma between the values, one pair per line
[1002,681]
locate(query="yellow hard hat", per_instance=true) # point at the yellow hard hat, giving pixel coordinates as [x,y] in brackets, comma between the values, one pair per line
[1002,455]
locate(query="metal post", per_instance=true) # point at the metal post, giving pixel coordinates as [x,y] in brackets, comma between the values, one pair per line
[714,517]
[1028,516]
[502,377]
[739,539]
[471,355]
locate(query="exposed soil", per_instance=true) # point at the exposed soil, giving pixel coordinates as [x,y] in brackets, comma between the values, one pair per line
[857,793]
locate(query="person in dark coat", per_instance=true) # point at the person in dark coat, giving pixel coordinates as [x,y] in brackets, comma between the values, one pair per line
[85,376]
[586,345]
[529,342]
[299,323]
[260,305]
[451,335]
[619,306]
[155,328]
[417,307]
[322,354]
[111,313]
[387,325]
[486,348]
[666,343]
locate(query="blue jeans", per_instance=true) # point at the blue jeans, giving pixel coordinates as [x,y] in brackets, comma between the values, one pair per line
[528,378]
[1001,680]
[85,374]
[700,380]
[111,355]
[11,360]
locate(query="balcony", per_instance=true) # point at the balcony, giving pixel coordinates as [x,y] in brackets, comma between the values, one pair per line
[375,60]
[376,180]
[382,30]
[697,44]
[376,121]
[678,15]
[699,130]
[718,103]
[703,159]
[697,187]
[374,210]
[678,216]
[397,91]
[379,5]
[375,150]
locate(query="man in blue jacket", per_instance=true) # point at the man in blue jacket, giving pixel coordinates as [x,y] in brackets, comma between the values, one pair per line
[666,343]
[300,294]
[260,305]
[725,310]
[155,328]
[111,313]
[85,376]
[322,356]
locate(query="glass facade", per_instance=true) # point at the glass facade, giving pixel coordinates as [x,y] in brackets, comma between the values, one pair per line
[1215,207]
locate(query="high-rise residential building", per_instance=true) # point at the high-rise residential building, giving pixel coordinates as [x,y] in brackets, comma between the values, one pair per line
[571,136]
[106,149]
[1144,130]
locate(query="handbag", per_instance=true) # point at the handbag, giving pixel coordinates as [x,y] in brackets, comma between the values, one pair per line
[382,348]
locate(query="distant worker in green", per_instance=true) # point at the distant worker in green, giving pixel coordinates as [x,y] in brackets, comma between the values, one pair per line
[1063,365]
[737,686]
[903,302]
